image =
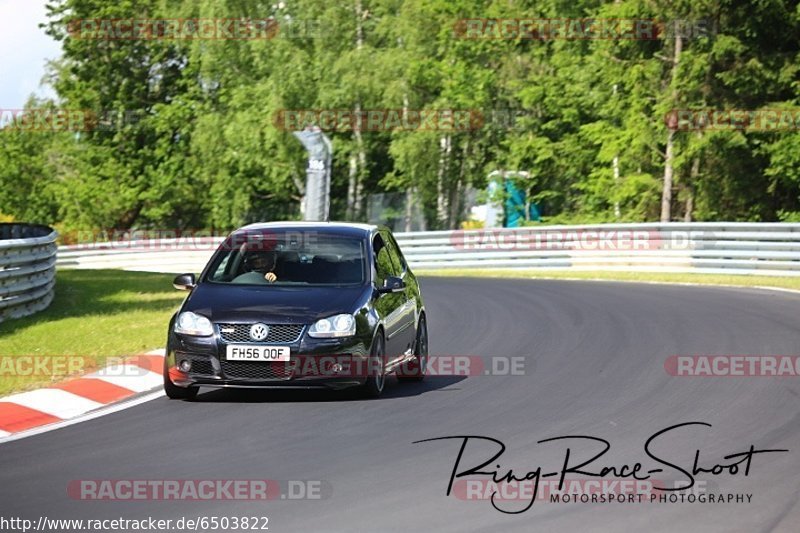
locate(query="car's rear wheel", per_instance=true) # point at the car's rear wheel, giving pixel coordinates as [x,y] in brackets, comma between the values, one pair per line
[376,375]
[414,370]
[174,392]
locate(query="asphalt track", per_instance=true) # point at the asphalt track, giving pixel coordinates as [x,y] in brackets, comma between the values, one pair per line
[594,354]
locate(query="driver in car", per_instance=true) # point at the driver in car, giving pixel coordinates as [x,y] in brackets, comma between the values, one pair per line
[262,263]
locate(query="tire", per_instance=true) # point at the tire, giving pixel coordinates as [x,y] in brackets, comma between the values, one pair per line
[178,393]
[415,370]
[376,381]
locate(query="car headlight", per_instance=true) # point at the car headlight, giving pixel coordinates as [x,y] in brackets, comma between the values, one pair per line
[334,326]
[190,323]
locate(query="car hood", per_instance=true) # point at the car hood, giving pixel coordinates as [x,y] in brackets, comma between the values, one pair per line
[277,305]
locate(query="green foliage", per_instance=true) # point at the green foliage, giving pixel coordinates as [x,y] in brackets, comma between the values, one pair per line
[208,151]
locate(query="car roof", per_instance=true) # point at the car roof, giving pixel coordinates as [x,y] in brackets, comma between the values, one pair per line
[345,228]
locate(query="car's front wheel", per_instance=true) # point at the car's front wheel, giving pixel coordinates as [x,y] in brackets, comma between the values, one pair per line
[376,374]
[174,392]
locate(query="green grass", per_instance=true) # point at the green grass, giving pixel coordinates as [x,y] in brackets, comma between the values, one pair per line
[647,277]
[95,314]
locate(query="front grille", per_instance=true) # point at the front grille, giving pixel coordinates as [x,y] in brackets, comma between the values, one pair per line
[278,333]
[257,370]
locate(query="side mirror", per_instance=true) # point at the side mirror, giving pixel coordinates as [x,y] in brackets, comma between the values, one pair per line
[184,282]
[392,284]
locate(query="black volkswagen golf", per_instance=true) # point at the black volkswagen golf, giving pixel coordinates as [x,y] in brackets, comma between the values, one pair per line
[298,305]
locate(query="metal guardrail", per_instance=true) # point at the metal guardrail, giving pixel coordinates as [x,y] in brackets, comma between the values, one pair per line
[27,269]
[717,247]
[729,248]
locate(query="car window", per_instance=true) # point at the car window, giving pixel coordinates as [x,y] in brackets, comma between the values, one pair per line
[221,268]
[395,254]
[289,257]
[382,260]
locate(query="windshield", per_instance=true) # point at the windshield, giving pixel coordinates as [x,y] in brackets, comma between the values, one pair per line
[289,257]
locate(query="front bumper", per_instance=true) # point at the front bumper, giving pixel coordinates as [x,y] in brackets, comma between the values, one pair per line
[313,364]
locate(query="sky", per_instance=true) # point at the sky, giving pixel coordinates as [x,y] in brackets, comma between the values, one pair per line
[24,49]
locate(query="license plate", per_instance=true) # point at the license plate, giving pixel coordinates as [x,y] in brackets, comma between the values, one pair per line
[254,352]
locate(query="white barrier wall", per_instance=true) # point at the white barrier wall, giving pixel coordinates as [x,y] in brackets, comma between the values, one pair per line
[733,248]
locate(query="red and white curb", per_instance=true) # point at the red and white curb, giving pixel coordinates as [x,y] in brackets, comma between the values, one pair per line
[27,411]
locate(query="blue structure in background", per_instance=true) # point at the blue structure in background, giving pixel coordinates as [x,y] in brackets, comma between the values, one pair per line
[515,206]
